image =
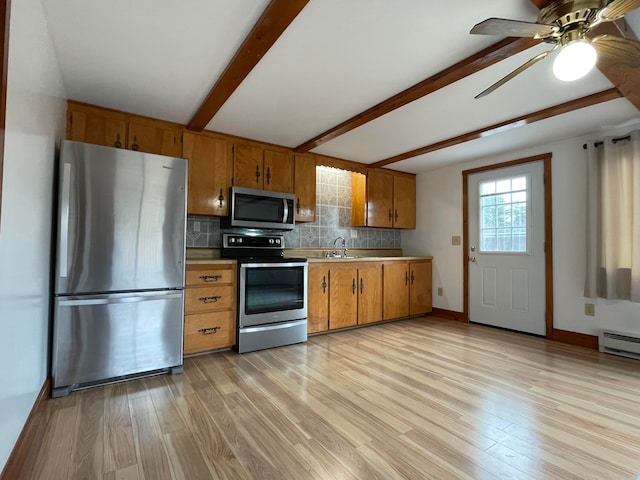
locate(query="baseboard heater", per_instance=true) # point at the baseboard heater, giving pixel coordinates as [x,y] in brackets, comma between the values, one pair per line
[619,343]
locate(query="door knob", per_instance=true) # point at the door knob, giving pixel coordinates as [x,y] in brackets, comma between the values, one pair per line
[473,249]
[472,259]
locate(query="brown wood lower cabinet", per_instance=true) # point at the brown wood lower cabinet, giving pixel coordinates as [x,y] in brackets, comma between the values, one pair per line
[407,288]
[354,293]
[209,307]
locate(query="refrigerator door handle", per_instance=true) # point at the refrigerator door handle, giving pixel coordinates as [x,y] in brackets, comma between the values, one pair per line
[64,220]
[110,299]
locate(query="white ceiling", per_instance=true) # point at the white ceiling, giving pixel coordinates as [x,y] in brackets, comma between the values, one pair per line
[160,58]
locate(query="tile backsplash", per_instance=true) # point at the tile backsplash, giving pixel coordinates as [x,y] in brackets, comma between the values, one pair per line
[333,219]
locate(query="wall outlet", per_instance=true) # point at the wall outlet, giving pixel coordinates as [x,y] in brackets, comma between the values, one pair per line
[196,226]
[439,291]
[354,233]
[589,309]
[455,240]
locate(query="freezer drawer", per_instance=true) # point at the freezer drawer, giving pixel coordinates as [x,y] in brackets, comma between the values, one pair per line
[99,337]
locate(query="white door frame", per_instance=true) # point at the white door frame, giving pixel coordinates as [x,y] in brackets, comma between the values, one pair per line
[548,234]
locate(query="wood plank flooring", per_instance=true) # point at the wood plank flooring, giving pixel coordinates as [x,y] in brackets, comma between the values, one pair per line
[418,399]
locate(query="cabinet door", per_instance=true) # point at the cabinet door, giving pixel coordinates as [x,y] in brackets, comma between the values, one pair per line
[370,294]
[247,166]
[305,188]
[404,202]
[97,126]
[343,298]
[420,287]
[396,290]
[210,170]
[379,199]
[154,136]
[278,171]
[318,299]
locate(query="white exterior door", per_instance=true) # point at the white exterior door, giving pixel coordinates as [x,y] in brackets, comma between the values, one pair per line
[506,248]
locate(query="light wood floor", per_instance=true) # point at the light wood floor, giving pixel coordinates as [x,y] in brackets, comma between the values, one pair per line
[416,399]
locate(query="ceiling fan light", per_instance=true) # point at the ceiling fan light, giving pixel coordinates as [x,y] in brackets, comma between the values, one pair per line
[574,61]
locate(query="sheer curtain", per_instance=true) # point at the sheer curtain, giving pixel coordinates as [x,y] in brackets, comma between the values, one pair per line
[613,224]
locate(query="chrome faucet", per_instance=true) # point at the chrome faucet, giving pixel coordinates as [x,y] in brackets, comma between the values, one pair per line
[344,247]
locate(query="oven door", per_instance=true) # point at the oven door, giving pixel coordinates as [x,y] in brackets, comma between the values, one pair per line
[272,293]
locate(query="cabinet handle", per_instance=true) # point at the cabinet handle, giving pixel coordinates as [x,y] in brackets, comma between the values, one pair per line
[118,143]
[220,199]
[257,173]
[412,277]
[213,299]
[268,175]
[390,216]
[406,278]
[396,215]
[298,205]
[361,286]
[353,287]
[134,146]
[209,330]
[210,278]
[324,284]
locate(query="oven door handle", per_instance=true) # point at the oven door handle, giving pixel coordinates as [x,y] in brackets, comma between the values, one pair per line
[285,204]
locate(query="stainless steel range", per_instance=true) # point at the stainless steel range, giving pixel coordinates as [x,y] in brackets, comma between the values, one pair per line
[272,292]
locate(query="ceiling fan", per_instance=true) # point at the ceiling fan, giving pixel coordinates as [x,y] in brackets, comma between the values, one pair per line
[566,24]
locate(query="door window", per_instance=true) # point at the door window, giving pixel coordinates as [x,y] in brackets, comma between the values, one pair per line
[504,215]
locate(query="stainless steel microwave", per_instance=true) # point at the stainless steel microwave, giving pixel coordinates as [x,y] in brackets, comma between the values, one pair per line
[251,208]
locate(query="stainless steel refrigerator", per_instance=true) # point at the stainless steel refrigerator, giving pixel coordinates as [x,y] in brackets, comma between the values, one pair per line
[119,281]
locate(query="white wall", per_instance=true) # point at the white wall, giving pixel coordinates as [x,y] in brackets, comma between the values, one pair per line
[35,123]
[439,216]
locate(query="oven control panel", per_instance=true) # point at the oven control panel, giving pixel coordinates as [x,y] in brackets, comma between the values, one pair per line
[233,240]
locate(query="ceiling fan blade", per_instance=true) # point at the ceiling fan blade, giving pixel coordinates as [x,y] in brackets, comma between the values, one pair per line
[517,71]
[617,9]
[617,50]
[513,28]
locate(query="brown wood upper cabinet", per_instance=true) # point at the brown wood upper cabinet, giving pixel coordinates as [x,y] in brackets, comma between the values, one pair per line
[154,136]
[96,125]
[210,171]
[265,169]
[101,126]
[305,188]
[388,201]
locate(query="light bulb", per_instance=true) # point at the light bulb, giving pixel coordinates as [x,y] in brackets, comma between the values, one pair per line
[574,61]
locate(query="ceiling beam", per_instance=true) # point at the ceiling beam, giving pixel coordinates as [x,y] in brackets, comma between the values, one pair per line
[275,19]
[466,67]
[566,107]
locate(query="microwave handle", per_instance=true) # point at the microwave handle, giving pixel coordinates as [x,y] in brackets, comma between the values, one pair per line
[286,210]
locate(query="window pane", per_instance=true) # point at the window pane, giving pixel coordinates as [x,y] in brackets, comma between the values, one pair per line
[519,183]
[503,215]
[503,186]
[487,187]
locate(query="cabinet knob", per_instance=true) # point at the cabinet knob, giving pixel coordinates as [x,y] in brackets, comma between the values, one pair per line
[210,278]
[412,277]
[390,216]
[257,173]
[324,284]
[118,143]
[134,145]
[268,175]
[361,286]
[353,287]
[213,299]
[209,330]
[220,199]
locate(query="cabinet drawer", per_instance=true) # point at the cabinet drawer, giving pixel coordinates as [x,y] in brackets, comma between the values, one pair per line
[208,331]
[213,276]
[205,299]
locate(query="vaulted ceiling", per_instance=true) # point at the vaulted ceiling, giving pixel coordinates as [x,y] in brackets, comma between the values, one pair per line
[374,81]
